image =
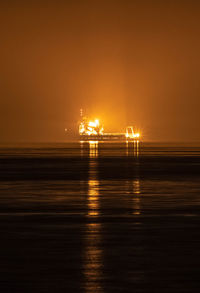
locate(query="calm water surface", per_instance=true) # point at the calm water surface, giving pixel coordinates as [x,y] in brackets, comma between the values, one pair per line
[100,217]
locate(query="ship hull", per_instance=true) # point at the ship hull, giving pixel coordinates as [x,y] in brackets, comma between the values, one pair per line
[105,137]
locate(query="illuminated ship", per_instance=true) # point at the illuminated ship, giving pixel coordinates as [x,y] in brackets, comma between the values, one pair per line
[93,130]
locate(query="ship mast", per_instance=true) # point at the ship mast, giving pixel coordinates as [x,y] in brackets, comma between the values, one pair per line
[81,113]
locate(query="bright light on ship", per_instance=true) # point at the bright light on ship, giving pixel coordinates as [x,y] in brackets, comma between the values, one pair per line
[90,128]
[130,133]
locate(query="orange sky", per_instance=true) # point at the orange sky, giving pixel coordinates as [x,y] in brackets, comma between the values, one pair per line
[127,62]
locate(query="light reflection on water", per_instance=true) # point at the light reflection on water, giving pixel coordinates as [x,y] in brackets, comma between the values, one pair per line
[93,258]
[93,252]
[133,186]
[136,197]
[93,182]
[132,148]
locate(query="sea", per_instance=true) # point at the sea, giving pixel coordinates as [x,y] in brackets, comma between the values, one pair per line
[100,217]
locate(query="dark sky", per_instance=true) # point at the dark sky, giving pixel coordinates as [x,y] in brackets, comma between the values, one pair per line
[126,62]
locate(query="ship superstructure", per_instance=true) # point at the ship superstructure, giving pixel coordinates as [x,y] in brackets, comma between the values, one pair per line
[90,127]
